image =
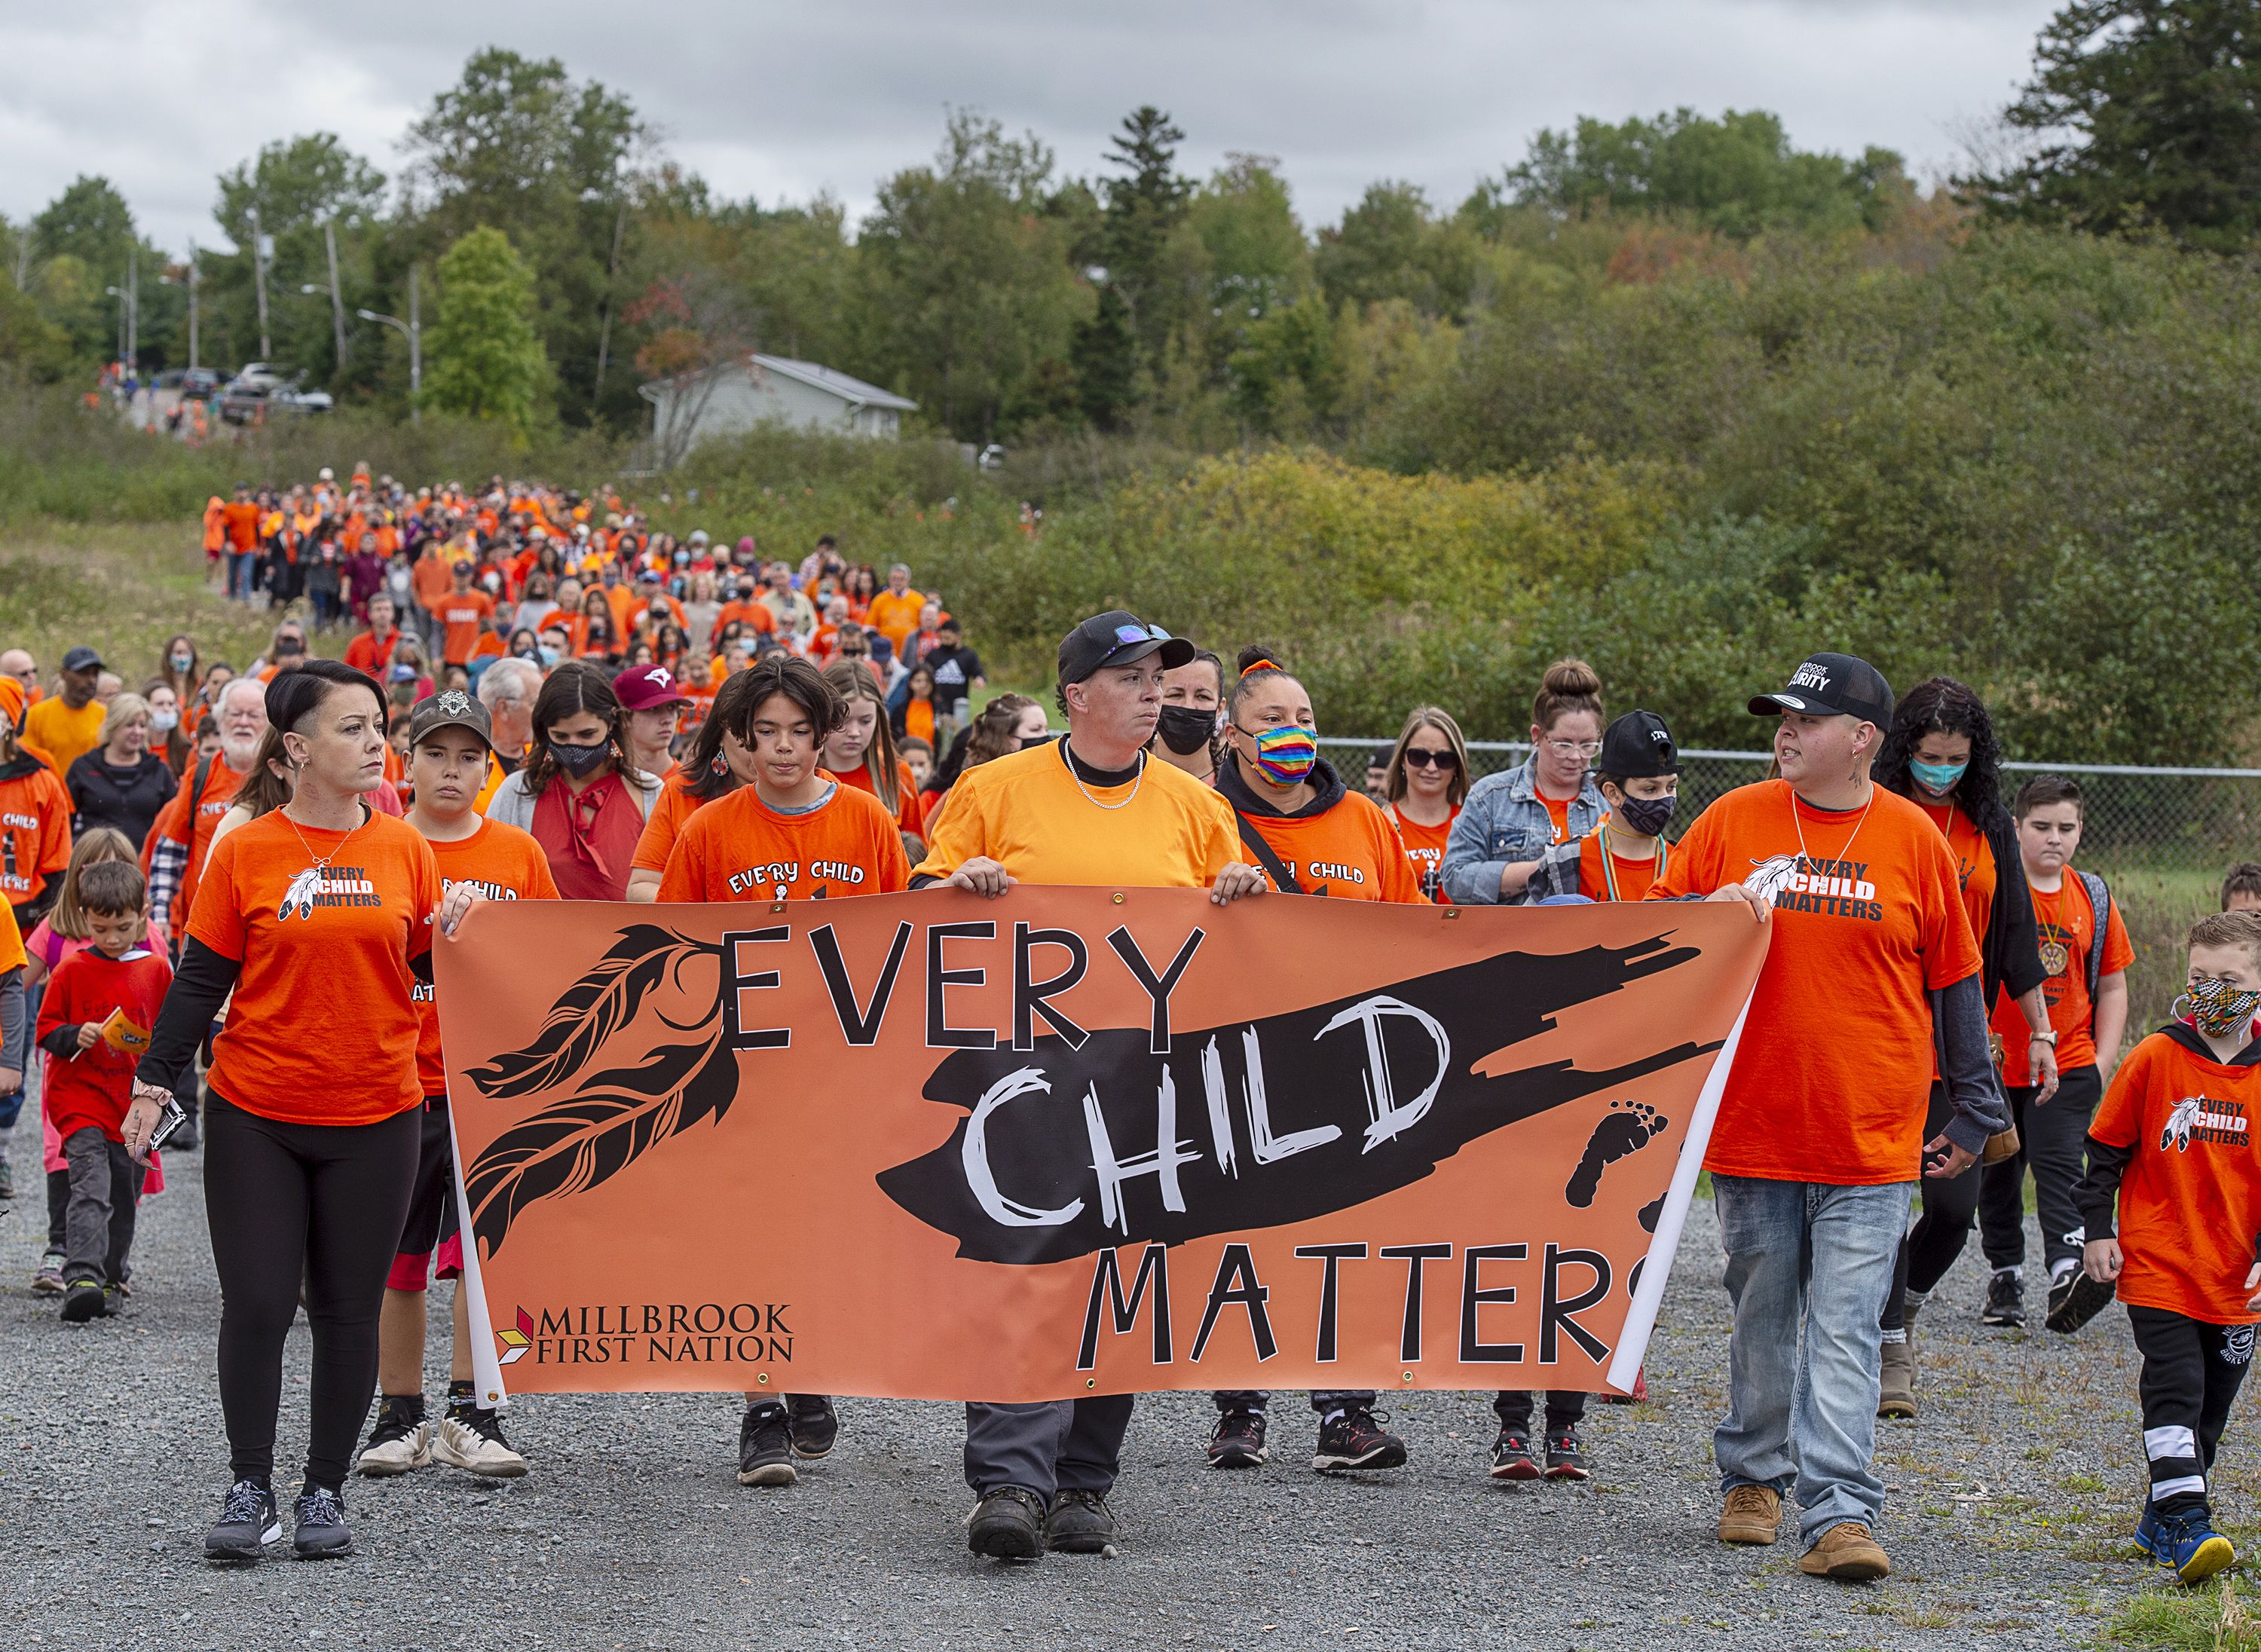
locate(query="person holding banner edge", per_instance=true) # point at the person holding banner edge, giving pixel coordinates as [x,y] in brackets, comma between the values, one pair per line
[1819,1138]
[1094,808]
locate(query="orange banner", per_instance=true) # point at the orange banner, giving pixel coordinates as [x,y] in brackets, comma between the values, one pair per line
[1079,1140]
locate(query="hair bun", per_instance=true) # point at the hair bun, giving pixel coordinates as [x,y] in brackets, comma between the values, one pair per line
[1571,680]
[1256,658]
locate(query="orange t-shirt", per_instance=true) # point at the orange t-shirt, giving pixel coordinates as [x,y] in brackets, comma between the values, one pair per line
[918,719]
[910,814]
[435,576]
[242,519]
[1558,810]
[322,1028]
[739,849]
[218,796]
[664,824]
[895,617]
[464,614]
[2068,927]
[2191,1198]
[1834,1074]
[35,833]
[504,863]
[1974,862]
[755,614]
[1632,877]
[1350,851]
[1425,849]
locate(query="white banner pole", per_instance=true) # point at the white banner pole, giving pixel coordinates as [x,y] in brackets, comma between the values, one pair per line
[486,1368]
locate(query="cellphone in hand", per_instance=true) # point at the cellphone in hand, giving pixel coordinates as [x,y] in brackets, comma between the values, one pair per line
[169,1120]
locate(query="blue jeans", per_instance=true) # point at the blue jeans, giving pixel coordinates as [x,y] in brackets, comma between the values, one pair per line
[239,566]
[1808,1268]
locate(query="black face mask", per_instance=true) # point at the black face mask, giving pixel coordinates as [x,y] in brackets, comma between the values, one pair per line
[1648,816]
[580,760]
[1186,730]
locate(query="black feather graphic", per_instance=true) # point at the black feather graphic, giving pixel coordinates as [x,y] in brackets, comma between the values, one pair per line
[575,1145]
[591,1011]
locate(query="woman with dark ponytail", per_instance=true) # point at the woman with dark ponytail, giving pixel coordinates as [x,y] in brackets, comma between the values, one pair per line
[318,914]
[1940,753]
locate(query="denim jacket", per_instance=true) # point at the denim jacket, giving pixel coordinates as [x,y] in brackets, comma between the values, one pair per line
[1505,821]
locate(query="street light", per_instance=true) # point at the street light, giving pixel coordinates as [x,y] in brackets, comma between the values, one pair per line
[413,330]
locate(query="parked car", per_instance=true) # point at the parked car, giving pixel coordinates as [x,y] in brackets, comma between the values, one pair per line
[199,383]
[261,390]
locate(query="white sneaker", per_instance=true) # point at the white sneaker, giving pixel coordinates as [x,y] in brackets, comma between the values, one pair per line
[476,1443]
[396,1446]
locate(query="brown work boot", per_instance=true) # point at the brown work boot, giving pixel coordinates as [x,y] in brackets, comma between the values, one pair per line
[1753,1514]
[1847,1553]
[1896,1392]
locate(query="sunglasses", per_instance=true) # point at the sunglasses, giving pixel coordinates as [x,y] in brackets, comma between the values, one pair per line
[1431,759]
[1126,634]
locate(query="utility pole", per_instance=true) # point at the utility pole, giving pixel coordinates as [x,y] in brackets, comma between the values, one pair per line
[612,277]
[259,280]
[193,362]
[133,305]
[337,303]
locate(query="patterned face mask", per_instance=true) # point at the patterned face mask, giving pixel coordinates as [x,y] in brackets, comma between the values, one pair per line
[2217,1009]
[1285,754]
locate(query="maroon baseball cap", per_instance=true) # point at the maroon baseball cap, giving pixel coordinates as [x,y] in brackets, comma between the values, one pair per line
[649,688]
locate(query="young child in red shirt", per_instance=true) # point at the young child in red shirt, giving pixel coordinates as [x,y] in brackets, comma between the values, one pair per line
[89,1082]
[2173,1147]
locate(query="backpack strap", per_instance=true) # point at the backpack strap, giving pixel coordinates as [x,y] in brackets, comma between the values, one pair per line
[1266,857]
[2100,911]
[197,793]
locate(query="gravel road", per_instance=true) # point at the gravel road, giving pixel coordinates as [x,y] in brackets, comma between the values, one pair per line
[2009,1498]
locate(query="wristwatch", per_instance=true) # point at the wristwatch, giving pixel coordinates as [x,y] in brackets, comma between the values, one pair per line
[2049,1038]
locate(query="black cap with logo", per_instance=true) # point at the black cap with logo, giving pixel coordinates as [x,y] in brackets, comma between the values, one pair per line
[1638,746]
[450,707]
[1117,638]
[1832,685]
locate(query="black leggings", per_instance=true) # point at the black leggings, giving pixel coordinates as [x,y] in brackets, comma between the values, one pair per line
[323,1203]
[1950,1210]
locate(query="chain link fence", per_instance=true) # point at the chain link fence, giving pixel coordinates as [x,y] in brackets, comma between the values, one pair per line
[2168,820]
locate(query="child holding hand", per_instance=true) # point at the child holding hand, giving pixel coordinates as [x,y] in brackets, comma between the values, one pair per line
[2173,1145]
[95,1024]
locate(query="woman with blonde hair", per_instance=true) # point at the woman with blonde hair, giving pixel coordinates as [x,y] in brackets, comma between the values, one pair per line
[1422,787]
[860,749]
[121,782]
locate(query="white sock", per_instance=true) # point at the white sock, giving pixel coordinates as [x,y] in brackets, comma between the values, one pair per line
[2062,1269]
[2016,1270]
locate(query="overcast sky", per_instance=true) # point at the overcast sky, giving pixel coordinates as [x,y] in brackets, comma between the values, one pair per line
[783,100]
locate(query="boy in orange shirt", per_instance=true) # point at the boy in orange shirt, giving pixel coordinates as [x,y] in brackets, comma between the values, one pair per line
[2173,1147]
[1639,778]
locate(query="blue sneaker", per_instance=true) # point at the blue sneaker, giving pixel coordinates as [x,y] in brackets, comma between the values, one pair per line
[2186,1545]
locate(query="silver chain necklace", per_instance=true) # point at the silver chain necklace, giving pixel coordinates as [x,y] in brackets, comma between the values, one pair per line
[1138,778]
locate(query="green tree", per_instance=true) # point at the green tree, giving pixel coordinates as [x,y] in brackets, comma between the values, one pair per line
[517,144]
[1392,246]
[486,358]
[964,279]
[293,188]
[1132,240]
[2146,112]
[1738,174]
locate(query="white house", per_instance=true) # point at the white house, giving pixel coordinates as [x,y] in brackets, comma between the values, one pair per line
[767,390]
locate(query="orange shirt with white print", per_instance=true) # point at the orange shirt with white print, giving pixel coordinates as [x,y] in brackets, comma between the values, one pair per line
[1834,1074]
[322,1028]
[1424,848]
[738,848]
[2190,1199]
[35,831]
[502,863]
[1350,851]
[2067,928]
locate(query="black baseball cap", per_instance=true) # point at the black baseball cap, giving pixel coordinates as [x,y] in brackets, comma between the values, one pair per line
[1117,638]
[450,707]
[1638,746]
[1832,685]
[82,658]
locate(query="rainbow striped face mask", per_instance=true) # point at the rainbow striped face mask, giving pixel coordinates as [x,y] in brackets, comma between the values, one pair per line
[1284,755]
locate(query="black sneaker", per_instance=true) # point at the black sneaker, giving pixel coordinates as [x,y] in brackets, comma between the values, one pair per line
[2006,1300]
[2076,1299]
[7,1179]
[766,1447]
[1007,1524]
[813,1423]
[248,1520]
[317,1526]
[1237,1441]
[1356,1439]
[1565,1461]
[1512,1458]
[84,1299]
[1079,1524]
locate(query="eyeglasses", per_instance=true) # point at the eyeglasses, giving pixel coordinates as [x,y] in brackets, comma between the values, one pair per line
[1419,759]
[1588,749]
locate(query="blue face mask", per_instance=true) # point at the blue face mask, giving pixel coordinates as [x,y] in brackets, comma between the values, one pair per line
[1937,777]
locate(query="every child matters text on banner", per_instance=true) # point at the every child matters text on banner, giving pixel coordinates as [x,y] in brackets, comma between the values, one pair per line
[1079,1140]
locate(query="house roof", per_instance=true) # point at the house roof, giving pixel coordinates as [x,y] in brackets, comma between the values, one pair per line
[815,375]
